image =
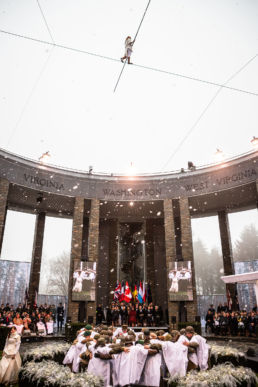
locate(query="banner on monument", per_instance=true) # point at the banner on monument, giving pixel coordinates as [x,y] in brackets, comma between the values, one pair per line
[180,281]
[84,281]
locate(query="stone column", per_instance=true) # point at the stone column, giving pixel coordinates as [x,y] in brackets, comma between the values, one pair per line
[150,275]
[93,249]
[76,253]
[170,244]
[257,193]
[113,247]
[103,264]
[36,256]
[187,253]
[159,265]
[4,188]
[227,252]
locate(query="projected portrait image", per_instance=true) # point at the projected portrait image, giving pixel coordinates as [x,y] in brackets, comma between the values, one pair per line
[84,281]
[180,281]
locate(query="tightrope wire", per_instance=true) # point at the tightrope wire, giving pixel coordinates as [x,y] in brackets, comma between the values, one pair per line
[134,42]
[135,65]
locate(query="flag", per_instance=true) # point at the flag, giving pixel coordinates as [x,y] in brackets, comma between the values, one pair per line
[144,292]
[135,293]
[121,297]
[229,299]
[117,291]
[140,293]
[149,295]
[128,293]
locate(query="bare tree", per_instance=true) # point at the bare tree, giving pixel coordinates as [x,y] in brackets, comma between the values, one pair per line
[58,280]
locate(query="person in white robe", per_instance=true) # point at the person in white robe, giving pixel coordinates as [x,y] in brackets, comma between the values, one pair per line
[97,366]
[174,275]
[10,363]
[175,357]
[80,348]
[128,365]
[128,49]
[41,328]
[198,350]
[73,350]
[121,331]
[50,327]
[69,357]
[49,324]
[18,322]
[79,277]
[151,372]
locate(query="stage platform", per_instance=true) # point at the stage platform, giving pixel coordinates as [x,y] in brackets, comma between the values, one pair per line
[37,338]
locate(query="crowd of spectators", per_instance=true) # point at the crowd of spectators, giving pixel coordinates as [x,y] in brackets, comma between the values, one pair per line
[225,322]
[32,318]
[131,314]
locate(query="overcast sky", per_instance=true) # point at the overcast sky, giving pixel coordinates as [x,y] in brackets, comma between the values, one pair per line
[56,100]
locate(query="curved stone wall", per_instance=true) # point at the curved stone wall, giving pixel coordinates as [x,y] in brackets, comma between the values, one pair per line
[20,171]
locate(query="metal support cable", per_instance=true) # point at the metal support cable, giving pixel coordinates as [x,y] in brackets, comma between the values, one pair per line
[134,42]
[205,110]
[30,96]
[135,65]
[45,20]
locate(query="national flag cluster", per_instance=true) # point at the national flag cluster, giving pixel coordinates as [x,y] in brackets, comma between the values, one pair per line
[123,292]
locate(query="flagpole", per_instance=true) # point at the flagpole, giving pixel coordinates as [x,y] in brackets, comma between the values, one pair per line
[118,254]
[144,253]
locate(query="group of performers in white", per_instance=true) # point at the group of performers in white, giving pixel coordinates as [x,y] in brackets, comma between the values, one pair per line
[124,357]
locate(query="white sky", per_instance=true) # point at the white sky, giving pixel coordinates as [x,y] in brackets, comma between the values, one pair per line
[72,110]
[19,234]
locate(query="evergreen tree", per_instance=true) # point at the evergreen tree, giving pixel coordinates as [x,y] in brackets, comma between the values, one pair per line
[208,270]
[246,247]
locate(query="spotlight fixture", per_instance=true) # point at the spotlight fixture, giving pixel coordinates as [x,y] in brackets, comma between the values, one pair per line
[191,166]
[39,198]
[219,155]
[131,204]
[131,170]
[90,169]
[254,142]
[45,157]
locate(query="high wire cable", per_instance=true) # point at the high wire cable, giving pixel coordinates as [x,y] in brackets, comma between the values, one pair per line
[45,20]
[134,42]
[205,110]
[29,96]
[135,65]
